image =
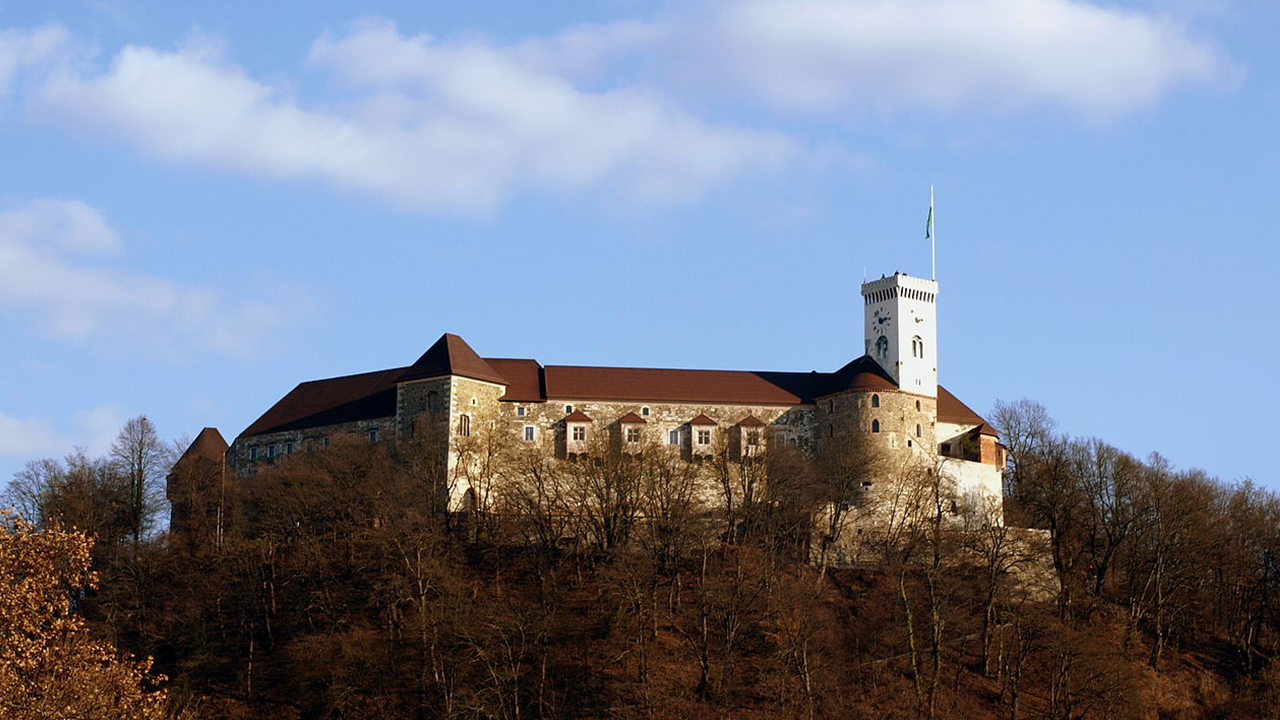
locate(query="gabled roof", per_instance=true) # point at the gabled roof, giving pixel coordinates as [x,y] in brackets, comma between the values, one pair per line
[632,419]
[209,446]
[577,416]
[451,355]
[366,396]
[702,420]
[751,421]
[951,410]
[523,379]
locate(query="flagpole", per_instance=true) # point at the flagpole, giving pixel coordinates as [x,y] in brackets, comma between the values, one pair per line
[933,237]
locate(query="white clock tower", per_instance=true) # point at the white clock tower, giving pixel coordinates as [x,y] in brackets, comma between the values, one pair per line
[902,330]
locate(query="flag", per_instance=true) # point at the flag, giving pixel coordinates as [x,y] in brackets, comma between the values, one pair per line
[928,224]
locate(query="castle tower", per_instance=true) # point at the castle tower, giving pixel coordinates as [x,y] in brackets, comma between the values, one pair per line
[902,331]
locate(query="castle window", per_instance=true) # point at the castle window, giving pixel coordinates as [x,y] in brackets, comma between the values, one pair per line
[529,433]
[433,401]
[875,401]
[673,437]
[568,408]
[288,448]
[473,402]
[464,425]
[917,406]
[373,435]
[645,411]
[917,429]
[831,431]
[579,433]
[875,426]
[704,437]
[520,411]
[882,348]
[831,406]
[791,442]
[753,438]
[633,434]
[917,347]
[253,454]
[271,451]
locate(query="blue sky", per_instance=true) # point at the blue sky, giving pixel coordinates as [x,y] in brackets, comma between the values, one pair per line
[202,206]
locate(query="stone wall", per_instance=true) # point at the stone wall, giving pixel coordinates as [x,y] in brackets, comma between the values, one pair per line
[241,458]
[787,423]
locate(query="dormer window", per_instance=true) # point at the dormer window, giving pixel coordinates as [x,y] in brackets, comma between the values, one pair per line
[704,436]
[753,438]
[633,435]
[882,348]
[579,433]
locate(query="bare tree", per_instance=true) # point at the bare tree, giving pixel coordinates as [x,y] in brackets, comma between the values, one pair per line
[143,460]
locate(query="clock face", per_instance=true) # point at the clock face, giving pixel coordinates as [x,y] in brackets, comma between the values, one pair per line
[881,319]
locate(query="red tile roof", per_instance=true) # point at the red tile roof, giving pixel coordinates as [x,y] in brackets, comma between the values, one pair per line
[523,379]
[570,382]
[632,419]
[209,446]
[951,410]
[751,421]
[370,396]
[702,420]
[577,416]
[451,355]
[366,396]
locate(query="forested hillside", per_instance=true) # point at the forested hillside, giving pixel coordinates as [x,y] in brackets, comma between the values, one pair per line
[642,586]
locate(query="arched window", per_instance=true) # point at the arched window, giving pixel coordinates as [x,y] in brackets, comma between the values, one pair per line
[875,401]
[831,406]
[464,425]
[875,426]
[917,347]
[882,348]
[917,406]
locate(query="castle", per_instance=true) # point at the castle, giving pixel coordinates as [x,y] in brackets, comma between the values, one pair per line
[890,395]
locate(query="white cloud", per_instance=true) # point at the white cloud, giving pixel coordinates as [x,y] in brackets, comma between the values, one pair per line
[20,49]
[27,438]
[461,123]
[93,429]
[45,278]
[830,55]
[434,125]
